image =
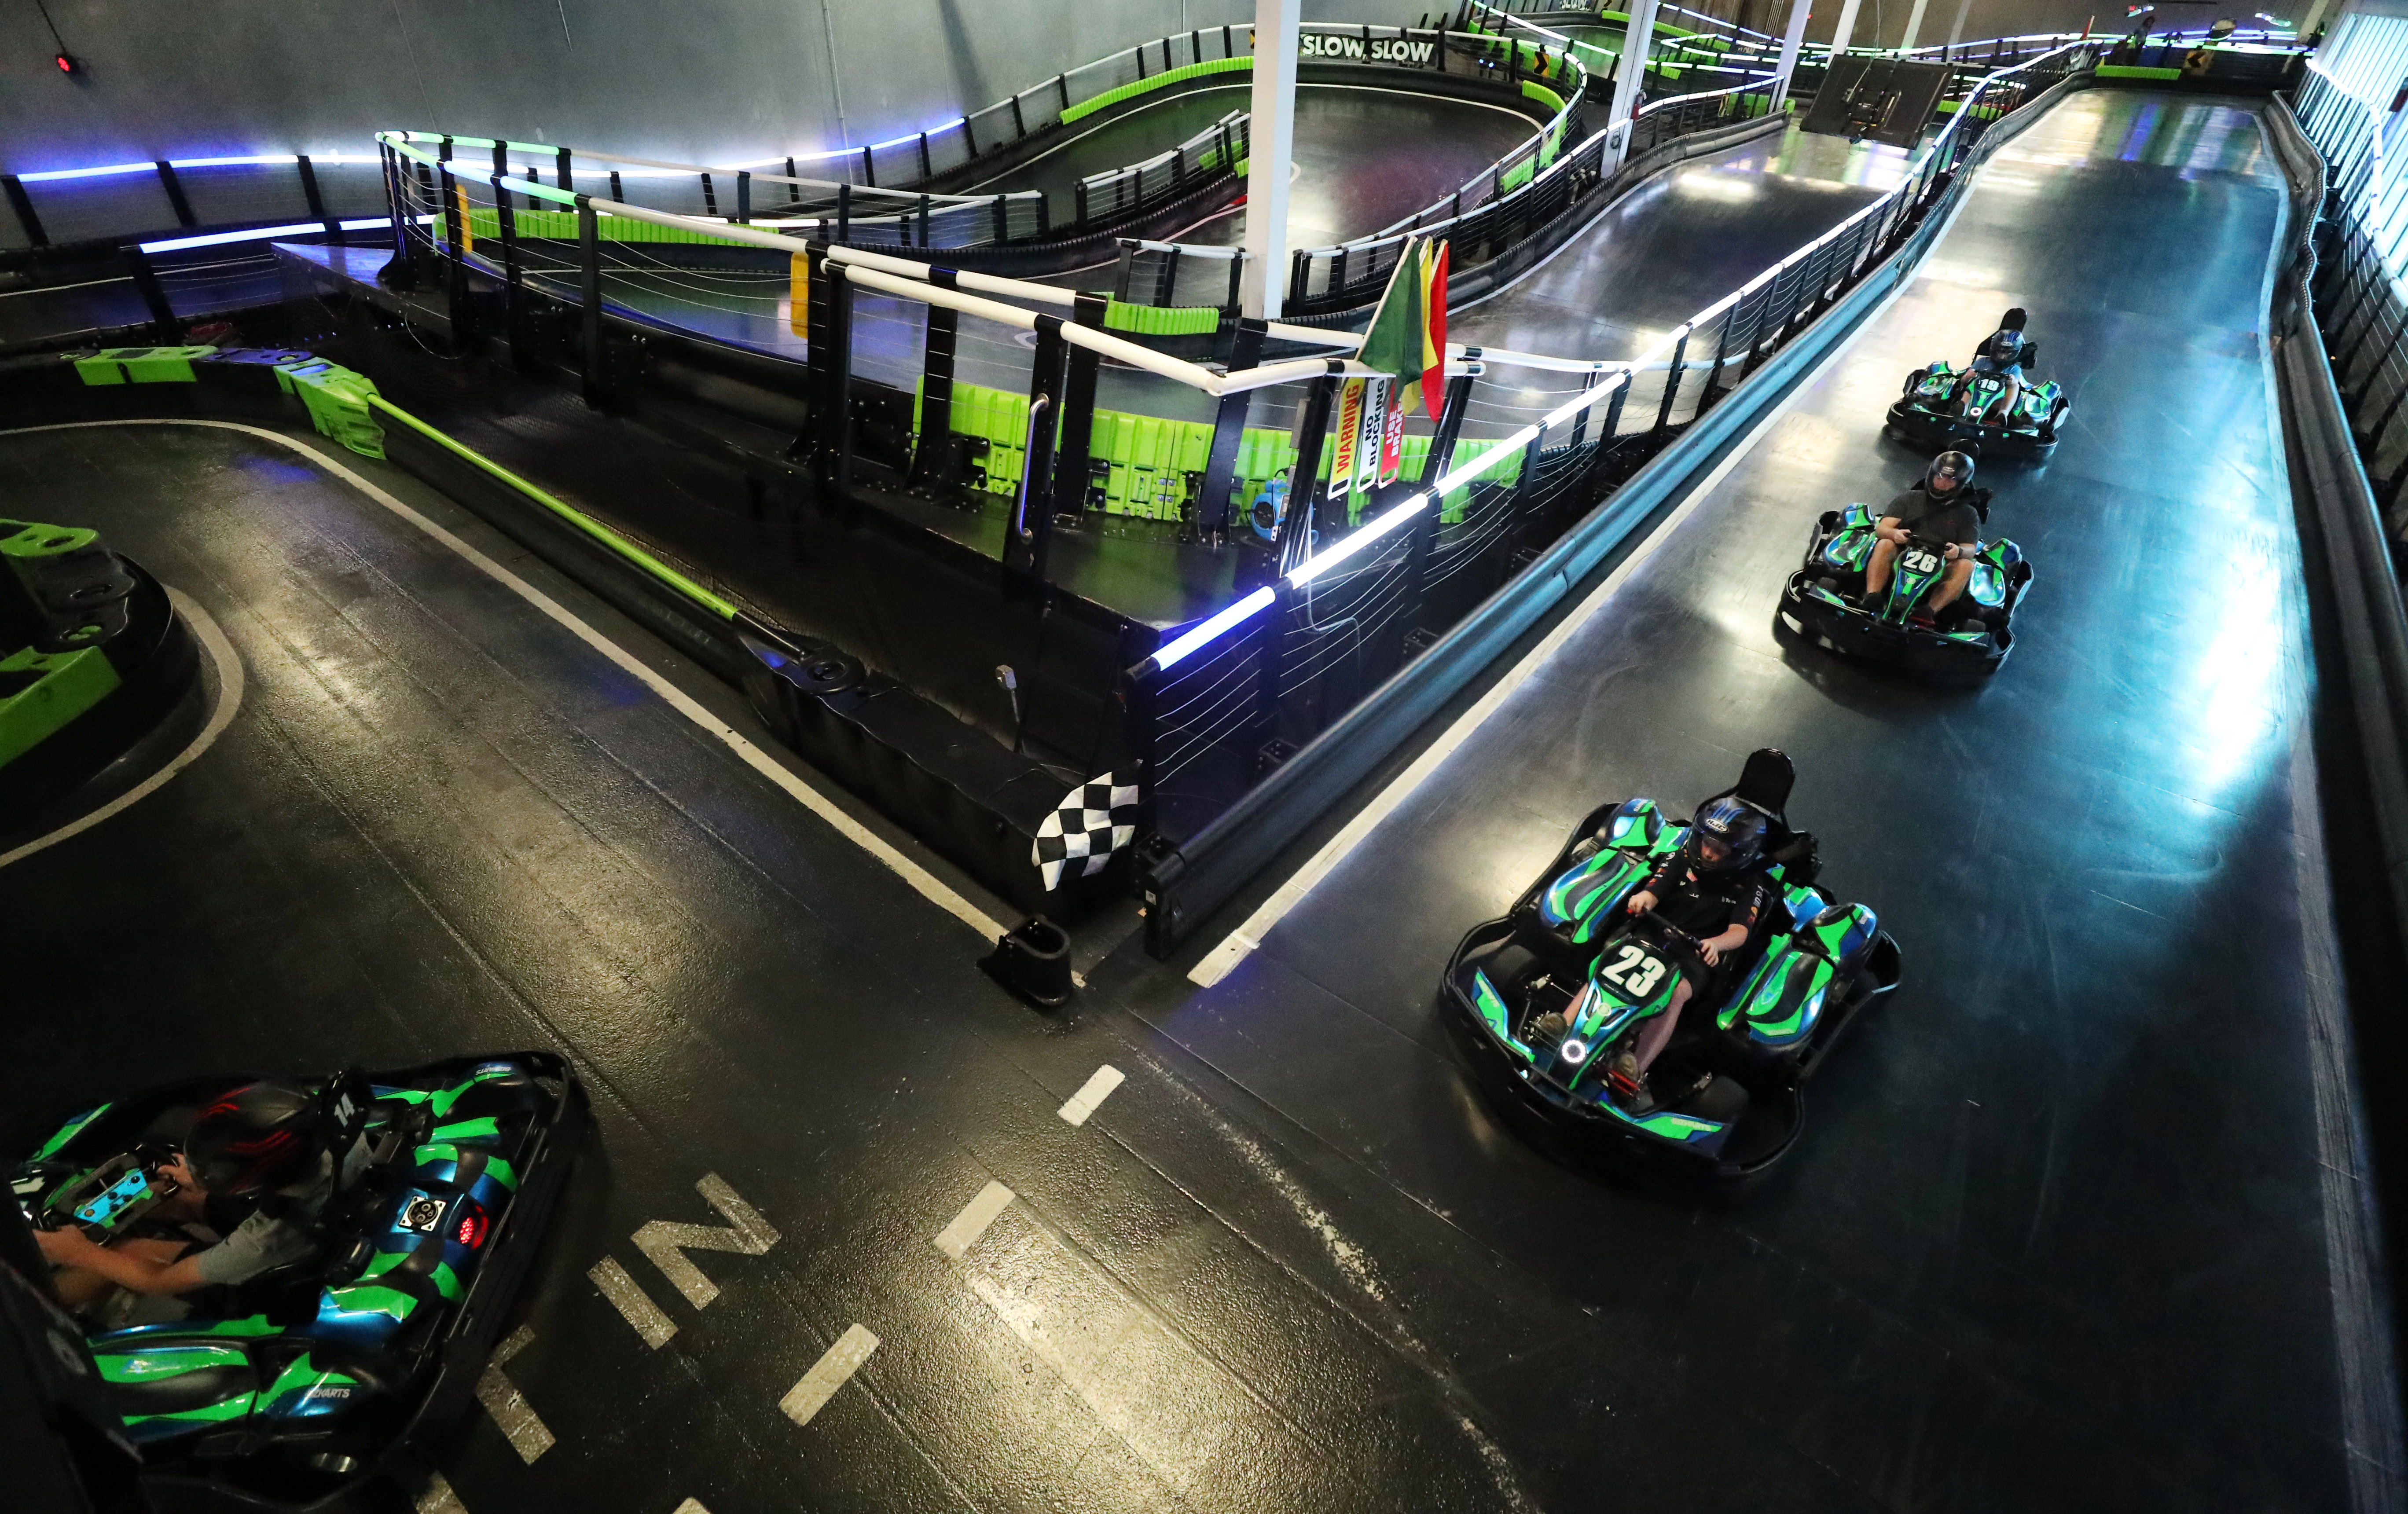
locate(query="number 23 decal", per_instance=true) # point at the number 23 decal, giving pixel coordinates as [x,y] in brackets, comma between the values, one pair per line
[1635,970]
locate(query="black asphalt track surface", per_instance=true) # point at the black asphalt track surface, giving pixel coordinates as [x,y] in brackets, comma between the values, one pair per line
[1364,156]
[2053,1236]
[2052,1239]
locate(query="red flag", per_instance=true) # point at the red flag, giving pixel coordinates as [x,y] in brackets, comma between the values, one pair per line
[1434,333]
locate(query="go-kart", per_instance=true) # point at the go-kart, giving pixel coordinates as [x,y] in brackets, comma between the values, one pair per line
[1549,995]
[1943,406]
[1971,636]
[286,1390]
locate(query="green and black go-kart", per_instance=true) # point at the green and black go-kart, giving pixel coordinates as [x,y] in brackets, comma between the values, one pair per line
[1943,406]
[1546,996]
[287,1391]
[1823,600]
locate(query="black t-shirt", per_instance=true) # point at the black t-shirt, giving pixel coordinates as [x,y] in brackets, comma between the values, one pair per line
[1951,518]
[1705,905]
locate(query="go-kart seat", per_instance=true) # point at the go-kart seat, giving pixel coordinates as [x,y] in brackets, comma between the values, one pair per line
[1764,784]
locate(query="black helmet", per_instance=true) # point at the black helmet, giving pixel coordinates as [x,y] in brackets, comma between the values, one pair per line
[1956,466]
[258,1138]
[1727,834]
[2013,320]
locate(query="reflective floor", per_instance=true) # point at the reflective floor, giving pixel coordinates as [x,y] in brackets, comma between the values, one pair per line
[2054,1239]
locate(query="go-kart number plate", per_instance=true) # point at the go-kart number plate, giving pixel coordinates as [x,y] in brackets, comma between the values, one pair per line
[1636,972]
[1919,561]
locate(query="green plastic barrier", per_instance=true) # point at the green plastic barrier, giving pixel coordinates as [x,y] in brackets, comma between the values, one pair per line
[338,403]
[1162,81]
[1149,457]
[141,364]
[2131,71]
[41,693]
[1162,319]
[485,225]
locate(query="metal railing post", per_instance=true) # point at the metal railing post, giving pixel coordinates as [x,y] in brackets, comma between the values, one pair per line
[460,312]
[1291,541]
[1438,461]
[1025,544]
[936,384]
[164,328]
[1672,382]
[1077,446]
[596,367]
[513,283]
[1229,436]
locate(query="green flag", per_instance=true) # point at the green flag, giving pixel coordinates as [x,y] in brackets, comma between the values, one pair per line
[1393,344]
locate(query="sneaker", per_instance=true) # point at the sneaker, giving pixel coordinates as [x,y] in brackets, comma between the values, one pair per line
[1625,1080]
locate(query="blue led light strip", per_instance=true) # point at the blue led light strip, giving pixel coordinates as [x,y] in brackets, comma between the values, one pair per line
[261,234]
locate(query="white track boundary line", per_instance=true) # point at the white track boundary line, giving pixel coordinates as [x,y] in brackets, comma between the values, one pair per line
[930,887]
[230,683]
[1238,944]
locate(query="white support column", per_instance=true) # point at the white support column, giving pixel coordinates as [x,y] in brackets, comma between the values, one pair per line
[1270,143]
[1846,29]
[1790,42]
[1630,73]
[1957,33]
[1914,27]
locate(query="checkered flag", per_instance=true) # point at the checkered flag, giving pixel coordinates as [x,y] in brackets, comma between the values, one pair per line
[1093,820]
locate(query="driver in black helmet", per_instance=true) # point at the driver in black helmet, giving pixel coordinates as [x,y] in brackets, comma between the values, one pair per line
[1944,506]
[254,1170]
[1715,889]
[2006,353]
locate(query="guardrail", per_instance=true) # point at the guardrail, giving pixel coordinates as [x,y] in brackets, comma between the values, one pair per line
[1295,692]
[2357,298]
[132,201]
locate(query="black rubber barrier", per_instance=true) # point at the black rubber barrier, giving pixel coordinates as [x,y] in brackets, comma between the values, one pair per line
[1184,886]
[2348,544]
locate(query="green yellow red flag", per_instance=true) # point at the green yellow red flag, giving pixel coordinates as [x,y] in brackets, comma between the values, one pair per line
[1407,337]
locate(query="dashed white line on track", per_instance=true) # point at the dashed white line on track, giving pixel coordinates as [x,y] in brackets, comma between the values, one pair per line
[971,1222]
[1092,1094]
[829,1374]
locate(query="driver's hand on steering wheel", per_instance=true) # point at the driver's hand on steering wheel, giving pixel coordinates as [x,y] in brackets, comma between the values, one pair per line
[1899,536]
[1955,552]
[1641,900]
[64,1247]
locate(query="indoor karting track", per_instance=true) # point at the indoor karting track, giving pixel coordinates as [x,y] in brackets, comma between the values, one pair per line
[2052,1238]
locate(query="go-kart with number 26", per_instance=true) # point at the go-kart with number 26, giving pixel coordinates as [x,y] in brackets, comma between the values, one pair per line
[1971,636]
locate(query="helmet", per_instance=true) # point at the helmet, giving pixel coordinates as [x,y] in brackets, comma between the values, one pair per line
[1727,834]
[258,1138]
[1956,466]
[2014,320]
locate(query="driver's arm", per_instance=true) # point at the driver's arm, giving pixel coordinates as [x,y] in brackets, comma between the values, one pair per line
[136,1274]
[1888,529]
